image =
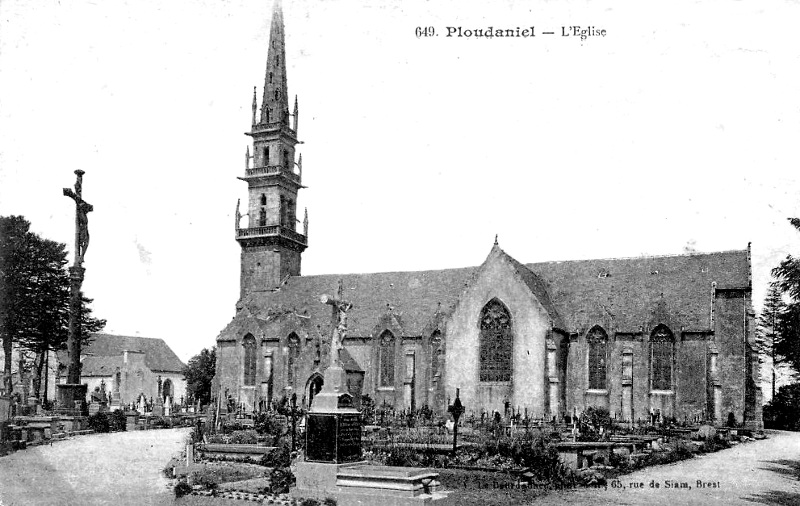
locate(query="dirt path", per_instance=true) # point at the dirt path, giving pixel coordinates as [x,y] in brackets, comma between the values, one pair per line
[120,469]
[760,472]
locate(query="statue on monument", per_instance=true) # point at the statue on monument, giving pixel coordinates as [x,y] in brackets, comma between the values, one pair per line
[340,308]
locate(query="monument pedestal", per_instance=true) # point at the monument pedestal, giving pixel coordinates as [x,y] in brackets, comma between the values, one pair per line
[68,393]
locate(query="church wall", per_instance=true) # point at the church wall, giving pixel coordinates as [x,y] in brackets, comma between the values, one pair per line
[729,317]
[614,376]
[361,352]
[690,373]
[228,367]
[530,325]
[137,378]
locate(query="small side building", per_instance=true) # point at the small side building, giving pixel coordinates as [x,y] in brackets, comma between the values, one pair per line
[128,367]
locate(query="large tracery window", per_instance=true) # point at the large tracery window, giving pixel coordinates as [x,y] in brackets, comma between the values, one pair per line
[249,344]
[597,339]
[496,342]
[294,354]
[386,359]
[661,346]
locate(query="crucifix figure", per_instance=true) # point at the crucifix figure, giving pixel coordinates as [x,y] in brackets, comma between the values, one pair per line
[340,309]
[82,208]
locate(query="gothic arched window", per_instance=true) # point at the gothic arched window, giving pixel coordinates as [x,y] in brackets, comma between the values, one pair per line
[294,353]
[263,199]
[386,359]
[262,217]
[597,340]
[249,345]
[661,346]
[496,342]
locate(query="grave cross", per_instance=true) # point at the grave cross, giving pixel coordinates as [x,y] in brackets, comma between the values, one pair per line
[340,309]
[456,410]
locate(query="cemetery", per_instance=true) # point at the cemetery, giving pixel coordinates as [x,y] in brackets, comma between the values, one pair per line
[417,458]
[24,424]
[335,452]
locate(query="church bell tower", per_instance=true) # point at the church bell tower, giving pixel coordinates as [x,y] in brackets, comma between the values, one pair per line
[271,244]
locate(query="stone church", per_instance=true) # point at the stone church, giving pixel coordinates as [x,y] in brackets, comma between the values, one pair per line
[672,335]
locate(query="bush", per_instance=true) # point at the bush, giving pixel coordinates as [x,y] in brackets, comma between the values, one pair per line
[329,501]
[99,422]
[116,420]
[405,457]
[280,480]
[309,502]
[182,488]
[279,457]
[244,437]
[211,475]
[267,424]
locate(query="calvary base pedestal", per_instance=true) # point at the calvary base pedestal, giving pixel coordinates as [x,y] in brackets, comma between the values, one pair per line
[333,430]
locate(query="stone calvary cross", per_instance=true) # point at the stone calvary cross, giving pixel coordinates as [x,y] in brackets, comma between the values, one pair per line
[72,391]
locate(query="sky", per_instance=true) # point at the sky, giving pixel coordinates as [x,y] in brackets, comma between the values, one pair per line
[675,131]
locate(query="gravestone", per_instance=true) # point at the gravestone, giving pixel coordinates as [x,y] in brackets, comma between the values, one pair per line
[5,408]
[158,408]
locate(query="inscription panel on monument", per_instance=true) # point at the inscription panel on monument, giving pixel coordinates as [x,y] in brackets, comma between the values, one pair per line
[334,438]
[348,437]
[320,438]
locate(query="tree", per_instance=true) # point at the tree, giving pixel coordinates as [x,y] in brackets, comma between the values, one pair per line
[783,411]
[34,298]
[787,276]
[769,334]
[199,374]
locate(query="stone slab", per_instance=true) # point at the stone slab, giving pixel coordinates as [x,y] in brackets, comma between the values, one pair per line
[360,484]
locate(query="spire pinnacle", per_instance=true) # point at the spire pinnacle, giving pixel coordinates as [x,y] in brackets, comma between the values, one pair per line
[255,105]
[296,114]
[275,104]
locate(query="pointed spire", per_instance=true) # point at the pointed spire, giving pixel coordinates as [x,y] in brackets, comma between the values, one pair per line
[305,224]
[247,159]
[275,104]
[296,114]
[255,105]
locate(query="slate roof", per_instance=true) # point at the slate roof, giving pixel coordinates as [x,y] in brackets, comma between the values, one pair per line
[627,298]
[100,366]
[348,362]
[106,348]
[635,287]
